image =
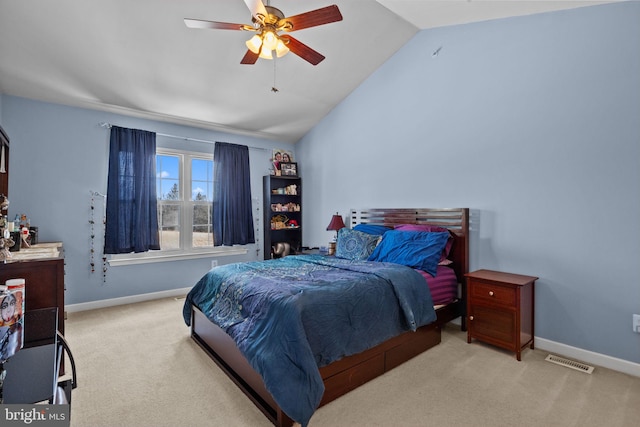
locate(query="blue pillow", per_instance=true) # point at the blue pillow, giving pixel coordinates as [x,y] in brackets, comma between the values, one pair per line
[372,229]
[414,249]
[355,245]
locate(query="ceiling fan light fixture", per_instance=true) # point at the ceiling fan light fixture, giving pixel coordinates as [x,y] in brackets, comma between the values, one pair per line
[254,43]
[281,48]
[269,40]
[266,53]
[265,43]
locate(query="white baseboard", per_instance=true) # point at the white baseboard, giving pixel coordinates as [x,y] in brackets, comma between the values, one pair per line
[72,308]
[589,357]
[584,356]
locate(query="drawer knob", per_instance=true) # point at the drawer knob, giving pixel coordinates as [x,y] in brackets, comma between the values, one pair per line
[470,317]
[490,293]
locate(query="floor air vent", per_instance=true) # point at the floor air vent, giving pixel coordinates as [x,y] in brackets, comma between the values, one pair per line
[569,363]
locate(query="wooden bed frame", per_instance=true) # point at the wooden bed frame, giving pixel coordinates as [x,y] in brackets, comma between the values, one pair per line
[350,372]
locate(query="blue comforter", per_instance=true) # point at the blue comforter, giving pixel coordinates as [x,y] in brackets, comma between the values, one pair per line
[292,315]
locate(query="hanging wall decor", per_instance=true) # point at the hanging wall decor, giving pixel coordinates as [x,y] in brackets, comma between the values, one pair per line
[92,236]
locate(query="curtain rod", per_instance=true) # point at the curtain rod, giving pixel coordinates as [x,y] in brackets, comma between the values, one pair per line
[185,138]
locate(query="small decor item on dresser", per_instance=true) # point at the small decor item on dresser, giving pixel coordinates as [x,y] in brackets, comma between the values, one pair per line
[33,231]
[15,238]
[12,299]
[6,243]
[26,237]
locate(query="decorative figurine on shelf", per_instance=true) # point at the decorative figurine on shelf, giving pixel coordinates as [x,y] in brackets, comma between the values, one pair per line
[281,249]
[291,190]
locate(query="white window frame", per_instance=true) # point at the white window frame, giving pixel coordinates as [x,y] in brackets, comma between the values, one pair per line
[186,250]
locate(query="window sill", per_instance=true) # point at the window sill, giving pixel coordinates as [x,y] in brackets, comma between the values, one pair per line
[159,256]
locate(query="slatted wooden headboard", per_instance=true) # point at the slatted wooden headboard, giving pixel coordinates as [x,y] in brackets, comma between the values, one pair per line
[454,219]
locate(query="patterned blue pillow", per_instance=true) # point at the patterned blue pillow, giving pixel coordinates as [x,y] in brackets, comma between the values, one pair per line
[355,245]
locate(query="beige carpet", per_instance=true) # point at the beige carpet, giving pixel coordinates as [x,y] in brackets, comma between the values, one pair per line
[138,367]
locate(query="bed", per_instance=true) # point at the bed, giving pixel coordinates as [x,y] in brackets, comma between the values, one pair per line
[327,366]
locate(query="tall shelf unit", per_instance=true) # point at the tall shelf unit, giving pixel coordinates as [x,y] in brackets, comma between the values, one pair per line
[281,201]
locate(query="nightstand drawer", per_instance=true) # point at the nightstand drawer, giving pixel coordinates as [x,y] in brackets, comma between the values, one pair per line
[490,292]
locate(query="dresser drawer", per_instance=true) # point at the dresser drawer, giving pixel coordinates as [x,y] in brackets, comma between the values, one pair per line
[490,292]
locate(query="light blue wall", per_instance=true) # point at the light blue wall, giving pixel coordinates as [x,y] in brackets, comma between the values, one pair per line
[59,155]
[533,123]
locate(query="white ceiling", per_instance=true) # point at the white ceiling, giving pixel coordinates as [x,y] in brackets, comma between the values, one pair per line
[138,58]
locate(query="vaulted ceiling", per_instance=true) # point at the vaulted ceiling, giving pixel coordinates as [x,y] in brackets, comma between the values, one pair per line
[138,57]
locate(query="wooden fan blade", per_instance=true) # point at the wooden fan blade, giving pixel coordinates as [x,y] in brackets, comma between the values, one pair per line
[304,51]
[314,18]
[198,23]
[249,58]
[256,7]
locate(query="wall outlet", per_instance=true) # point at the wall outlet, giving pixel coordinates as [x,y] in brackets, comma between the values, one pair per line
[214,263]
[636,323]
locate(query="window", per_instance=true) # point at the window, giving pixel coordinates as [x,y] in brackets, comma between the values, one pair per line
[184,191]
[184,184]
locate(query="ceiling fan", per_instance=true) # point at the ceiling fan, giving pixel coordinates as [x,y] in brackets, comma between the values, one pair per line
[268,23]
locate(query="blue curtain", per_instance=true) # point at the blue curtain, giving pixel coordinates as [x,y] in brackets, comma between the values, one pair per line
[232,215]
[132,212]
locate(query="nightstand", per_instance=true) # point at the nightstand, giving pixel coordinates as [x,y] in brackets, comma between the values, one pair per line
[500,309]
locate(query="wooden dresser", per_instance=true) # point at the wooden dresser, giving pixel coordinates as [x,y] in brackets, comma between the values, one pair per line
[42,267]
[500,309]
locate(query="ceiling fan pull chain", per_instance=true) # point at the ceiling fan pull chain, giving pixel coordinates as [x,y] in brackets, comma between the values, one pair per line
[274,89]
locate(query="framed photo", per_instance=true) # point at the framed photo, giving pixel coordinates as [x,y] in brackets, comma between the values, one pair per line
[289,169]
[281,156]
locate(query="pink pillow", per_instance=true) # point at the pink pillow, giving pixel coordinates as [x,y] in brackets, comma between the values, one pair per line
[429,228]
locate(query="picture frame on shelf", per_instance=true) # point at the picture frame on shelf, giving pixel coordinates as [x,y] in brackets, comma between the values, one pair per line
[280,156]
[289,169]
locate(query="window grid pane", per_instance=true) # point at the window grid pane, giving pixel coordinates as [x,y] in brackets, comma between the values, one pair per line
[202,195]
[168,177]
[202,230]
[201,179]
[169,221]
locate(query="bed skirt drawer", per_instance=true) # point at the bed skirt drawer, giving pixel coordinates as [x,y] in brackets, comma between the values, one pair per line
[351,372]
[395,356]
[345,381]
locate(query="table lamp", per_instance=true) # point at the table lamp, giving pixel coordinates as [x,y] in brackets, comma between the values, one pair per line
[336,224]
